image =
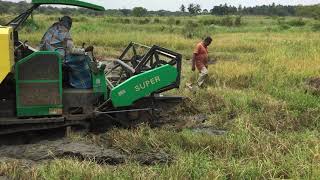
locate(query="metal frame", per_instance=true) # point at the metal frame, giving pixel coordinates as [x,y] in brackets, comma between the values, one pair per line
[150,60]
[151,108]
[24,111]
[22,18]
[70,3]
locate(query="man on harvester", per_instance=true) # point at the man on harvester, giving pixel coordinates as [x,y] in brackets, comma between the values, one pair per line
[58,38]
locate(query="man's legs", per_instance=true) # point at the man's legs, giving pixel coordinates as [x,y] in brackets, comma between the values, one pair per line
[203,76]
[79,71]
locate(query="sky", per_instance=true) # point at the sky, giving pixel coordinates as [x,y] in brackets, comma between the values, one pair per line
[173,5]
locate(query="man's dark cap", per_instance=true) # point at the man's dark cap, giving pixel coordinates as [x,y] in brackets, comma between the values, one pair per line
[208,39]
[66,21]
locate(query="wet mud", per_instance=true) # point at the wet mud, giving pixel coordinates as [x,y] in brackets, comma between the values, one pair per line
[313,86]
[36,152]
[31,155]
[49,150]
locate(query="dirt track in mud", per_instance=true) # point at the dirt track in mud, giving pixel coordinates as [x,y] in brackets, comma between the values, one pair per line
[33,155]
[30,155]
[37,151]
[48,150]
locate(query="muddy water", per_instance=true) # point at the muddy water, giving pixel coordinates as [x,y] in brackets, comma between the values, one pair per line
[34,152]
[30,155]
[209,131]
[48,150]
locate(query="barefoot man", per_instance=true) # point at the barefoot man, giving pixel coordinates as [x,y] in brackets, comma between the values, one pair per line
[200,60]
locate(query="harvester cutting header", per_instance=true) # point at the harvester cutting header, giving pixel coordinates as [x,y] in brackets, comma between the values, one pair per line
[39,89]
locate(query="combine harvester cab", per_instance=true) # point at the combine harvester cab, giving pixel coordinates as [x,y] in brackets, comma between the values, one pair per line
[34,96]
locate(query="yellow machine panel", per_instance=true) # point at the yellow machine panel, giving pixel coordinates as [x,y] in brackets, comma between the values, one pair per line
[6,51]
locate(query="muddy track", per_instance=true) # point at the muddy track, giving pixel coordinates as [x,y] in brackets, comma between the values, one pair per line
[31,150]
[30,155]
[48,150]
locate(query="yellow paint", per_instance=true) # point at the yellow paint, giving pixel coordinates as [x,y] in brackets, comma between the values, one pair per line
[6,51]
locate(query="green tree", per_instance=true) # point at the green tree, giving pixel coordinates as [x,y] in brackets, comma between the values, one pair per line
[205,11]
[238,22]
[139,11]
[194,9]
[125,12]
[3,9]
[308,11]
[182,8]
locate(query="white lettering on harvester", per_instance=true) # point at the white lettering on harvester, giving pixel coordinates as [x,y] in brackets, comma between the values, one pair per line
[122,92]
[147,83]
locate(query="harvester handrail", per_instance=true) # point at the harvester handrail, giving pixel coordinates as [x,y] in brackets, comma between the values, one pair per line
[141,45]
[132,45]
[166,54]
[128,68]
[21,19]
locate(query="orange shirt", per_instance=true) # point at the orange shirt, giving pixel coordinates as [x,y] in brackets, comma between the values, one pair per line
[201,56]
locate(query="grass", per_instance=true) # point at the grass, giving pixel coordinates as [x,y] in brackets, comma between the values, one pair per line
[256,91]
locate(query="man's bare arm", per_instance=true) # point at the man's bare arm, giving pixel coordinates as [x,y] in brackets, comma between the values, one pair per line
[72,50]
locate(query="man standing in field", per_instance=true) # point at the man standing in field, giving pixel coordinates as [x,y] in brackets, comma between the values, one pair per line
[200,61]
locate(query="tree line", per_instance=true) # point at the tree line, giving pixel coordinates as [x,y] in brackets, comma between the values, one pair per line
[266,10]
[190,9]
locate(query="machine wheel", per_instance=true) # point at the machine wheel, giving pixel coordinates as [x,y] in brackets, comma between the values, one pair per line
[133,119]
[101,124]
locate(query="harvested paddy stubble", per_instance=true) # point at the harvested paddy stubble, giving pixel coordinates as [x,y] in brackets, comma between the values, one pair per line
[256,93]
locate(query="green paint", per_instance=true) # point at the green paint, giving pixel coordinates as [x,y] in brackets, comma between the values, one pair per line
[38,81]
[99,84]
[143,85]
[43,110]
[70,2]
[39,111]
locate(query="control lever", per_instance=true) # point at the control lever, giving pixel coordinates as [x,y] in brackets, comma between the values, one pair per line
[22,44]
[25,42]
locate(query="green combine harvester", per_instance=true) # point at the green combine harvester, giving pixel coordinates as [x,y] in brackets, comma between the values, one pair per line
[126,91]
